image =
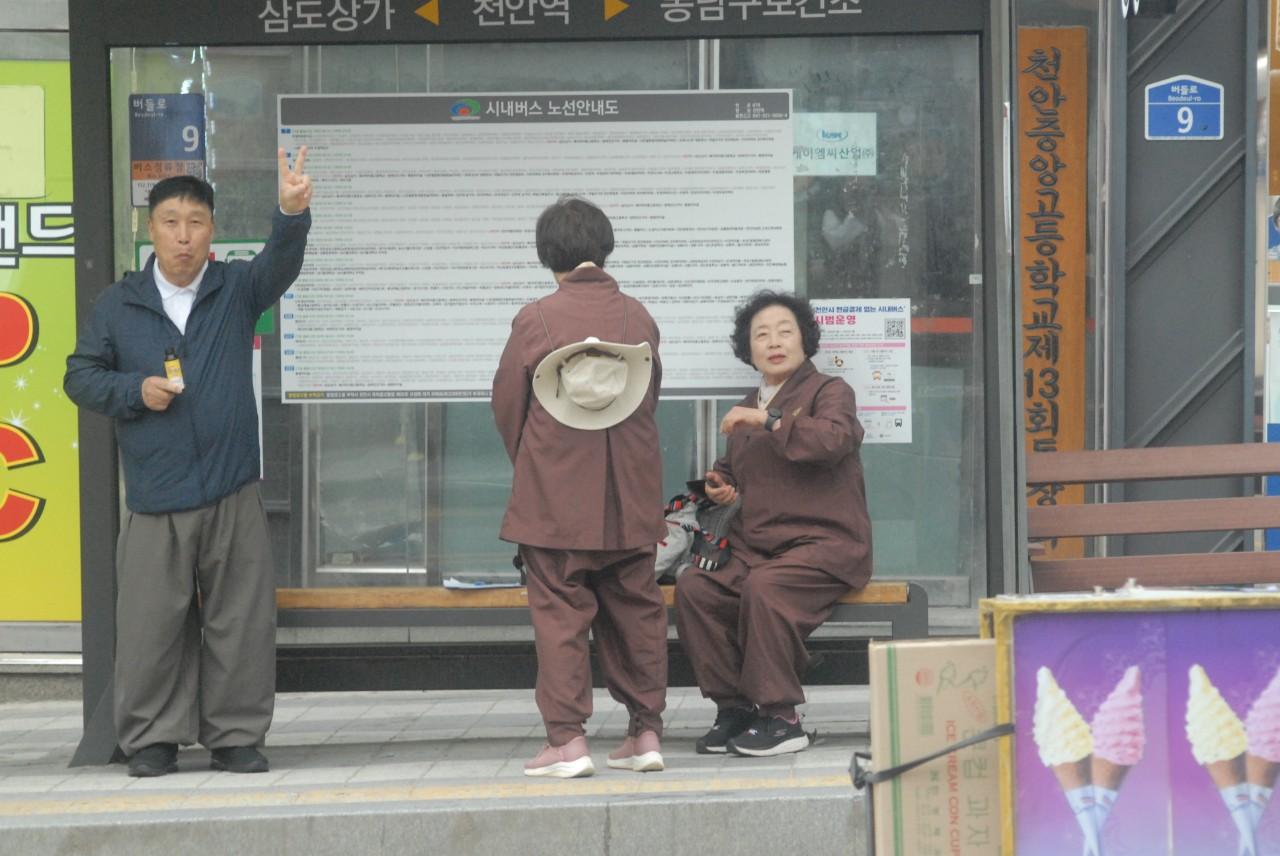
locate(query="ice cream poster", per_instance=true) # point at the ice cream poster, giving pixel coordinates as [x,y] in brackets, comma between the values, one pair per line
[1147,733]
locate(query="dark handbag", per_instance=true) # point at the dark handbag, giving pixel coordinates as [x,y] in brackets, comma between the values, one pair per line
[711,548]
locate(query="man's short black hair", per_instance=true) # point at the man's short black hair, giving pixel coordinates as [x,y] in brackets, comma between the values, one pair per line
[180,187]
[572,231]
[810,332]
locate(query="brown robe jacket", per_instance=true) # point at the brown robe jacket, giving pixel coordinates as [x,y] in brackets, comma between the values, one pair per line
[803,498]
[575,489]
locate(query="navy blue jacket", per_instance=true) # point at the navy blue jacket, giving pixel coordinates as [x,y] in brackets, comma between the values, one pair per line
[205,445]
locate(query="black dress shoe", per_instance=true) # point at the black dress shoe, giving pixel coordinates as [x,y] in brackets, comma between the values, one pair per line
[239,759]
[154,760]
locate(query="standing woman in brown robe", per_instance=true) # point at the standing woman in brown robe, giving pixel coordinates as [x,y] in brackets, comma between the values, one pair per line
[577,417]
[802,537]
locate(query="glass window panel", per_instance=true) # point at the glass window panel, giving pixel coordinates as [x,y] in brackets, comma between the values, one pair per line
[442,512]
[393,488]
[370,497]
[910,230]
[477,474]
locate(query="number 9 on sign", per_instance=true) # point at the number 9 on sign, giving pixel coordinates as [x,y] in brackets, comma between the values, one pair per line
[1186,120]
[190,138]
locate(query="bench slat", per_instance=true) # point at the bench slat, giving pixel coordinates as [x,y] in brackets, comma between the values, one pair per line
[1158,462]
[430,597]
[1153,517]
[1178,569]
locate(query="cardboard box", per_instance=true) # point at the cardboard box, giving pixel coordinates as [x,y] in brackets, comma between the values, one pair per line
[924,697]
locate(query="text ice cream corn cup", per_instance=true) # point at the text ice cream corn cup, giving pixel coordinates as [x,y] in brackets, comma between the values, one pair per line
[1218,742]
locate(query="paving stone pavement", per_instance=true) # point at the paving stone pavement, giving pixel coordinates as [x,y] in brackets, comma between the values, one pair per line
[332,749]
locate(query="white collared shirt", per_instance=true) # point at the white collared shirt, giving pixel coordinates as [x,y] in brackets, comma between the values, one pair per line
[177,301]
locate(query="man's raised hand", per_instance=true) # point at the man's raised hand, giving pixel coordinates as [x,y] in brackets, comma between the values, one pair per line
[295,185]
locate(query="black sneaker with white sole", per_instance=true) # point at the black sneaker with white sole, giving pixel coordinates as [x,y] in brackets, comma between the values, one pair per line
[771,735]
[730,722]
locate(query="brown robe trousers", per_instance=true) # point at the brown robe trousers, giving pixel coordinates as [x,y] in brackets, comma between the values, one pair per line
[801,540]
[586,510]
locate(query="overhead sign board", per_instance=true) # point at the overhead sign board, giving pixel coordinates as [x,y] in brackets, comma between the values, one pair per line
[245,22]
[1184,108]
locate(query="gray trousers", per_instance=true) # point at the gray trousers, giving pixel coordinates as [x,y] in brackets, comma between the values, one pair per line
[195,626]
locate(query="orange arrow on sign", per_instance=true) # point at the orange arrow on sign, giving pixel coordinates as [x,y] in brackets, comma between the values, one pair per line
[613,8]
[429,10]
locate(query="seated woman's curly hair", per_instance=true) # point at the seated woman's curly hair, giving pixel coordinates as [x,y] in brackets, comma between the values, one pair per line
[810,332]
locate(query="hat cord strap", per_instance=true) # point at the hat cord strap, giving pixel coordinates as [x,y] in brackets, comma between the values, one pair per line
[537,304]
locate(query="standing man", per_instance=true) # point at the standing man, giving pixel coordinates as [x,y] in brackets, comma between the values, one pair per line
[195,603]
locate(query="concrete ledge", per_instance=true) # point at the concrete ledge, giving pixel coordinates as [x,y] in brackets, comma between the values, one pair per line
[23,687]
[814,822]
[40,677]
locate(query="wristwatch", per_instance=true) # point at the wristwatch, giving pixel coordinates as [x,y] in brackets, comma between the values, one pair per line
[774,415]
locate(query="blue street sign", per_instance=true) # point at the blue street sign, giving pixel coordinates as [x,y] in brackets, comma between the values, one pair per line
[166,138]
[1184,108]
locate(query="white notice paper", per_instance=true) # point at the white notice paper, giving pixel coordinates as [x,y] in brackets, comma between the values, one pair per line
[868,343]
[422,244]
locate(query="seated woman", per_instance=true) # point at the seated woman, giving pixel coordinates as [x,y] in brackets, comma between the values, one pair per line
[574,399]
[801,539]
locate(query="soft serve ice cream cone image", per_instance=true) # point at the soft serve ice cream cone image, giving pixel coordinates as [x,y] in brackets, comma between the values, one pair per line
[1218,742]
[1119,737]
[1262,756]
[1065,745]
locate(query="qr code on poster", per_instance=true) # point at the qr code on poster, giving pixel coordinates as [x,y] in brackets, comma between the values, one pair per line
[895,328]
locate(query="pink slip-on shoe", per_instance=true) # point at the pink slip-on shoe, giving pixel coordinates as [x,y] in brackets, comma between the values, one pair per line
[569,761]
[641,754]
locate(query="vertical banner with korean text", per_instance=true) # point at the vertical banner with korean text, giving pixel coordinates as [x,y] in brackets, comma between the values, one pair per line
[39,457]
[1053,116]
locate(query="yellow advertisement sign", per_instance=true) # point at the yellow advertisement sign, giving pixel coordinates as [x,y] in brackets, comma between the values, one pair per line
[39,455]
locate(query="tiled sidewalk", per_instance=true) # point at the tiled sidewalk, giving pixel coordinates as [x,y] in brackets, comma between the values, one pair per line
[353,747]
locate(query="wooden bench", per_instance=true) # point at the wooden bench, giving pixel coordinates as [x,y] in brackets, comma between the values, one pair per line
[1153,517]
[905,606]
